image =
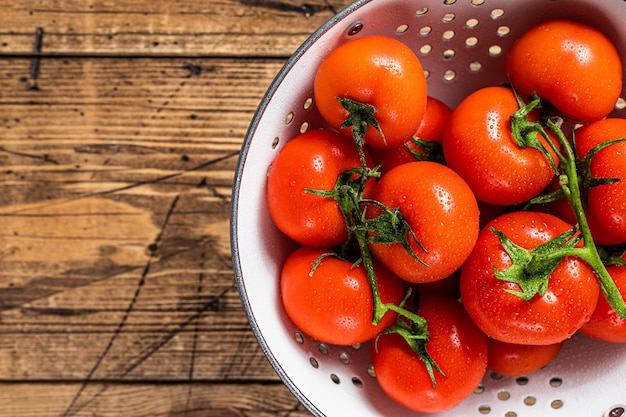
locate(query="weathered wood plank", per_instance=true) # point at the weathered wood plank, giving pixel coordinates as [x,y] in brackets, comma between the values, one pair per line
[162,27]
[137,400]
[114,219]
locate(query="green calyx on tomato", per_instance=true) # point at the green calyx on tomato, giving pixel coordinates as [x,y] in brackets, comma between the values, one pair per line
[531,269]
[528,263]
[360,118]
[431,150]
[415,334]
[525,131]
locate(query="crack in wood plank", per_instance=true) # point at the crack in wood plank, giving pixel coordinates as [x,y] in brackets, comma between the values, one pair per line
[35,61]
[129,310]
[71,411]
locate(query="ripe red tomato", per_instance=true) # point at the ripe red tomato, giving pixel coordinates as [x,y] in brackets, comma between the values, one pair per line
[376,70]
[311,160]
[572,65]
[509,359]
[334,305]
[430,129]
[605,323]
[456,345]
[606,204]
[570,298]
[442,212]
[479,145]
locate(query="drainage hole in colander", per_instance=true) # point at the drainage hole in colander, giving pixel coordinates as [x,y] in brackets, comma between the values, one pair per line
[448,35]
[356,381]
[354,28]
[402,29]
[448,17]
[503,31]
[497,13]
[449,75]
[275,142]
[621,104]
[503,395]
[616,411]
[484,409]
[556,382]
[522,380]
[471,42]
[323,348]
[421,11]
[471,23]
[530,400]
[495,50]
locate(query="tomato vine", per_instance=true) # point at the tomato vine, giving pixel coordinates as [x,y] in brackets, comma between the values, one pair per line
[570,188]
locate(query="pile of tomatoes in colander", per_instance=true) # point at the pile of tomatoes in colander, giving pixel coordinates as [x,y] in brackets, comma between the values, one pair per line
[458,240]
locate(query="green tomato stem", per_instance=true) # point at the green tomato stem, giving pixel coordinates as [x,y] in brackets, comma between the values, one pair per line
[589,252]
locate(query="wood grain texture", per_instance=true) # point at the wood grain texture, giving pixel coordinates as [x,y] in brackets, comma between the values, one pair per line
[162,27]
[115,218]
[172,400]
[120,128]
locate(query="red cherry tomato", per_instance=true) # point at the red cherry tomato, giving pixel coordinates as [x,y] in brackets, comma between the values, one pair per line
[456,345]
[430,129]
[606,204]
[569,300]
[442,212]
[479,145]
[605,323]
[311,160]
[574,66]
[508,359]
[379,71]
[334,305]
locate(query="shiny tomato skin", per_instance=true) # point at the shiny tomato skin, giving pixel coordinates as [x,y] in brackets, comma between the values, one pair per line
[479,145]
[379,71]
[334,305]
[456,345]
[568,303]
[513,360]
[310,160]
[574,66]
[606,204]
[442,212]
[431,128]
[605,323]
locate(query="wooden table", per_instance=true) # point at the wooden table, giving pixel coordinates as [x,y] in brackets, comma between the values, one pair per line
[120,128]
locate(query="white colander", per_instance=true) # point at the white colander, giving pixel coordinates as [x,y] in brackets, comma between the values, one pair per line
[462,45]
